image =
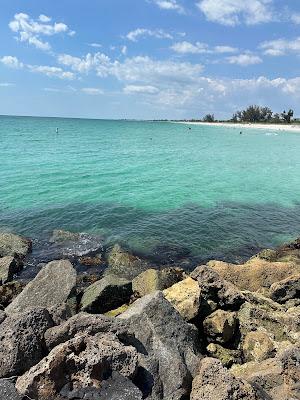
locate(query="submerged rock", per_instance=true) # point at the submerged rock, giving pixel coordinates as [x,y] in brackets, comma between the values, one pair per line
[14,246]
[169,347]
[106,294]
[8,267]
[22,341]
[154,279]
[52,286]
[77,244]
[83,362]
[185,297]
[124,264]
[214,382]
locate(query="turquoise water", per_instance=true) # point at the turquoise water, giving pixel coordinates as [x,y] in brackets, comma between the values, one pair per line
[210,190]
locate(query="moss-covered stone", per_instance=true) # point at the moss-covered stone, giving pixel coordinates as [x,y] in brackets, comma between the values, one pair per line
[227,357]
[117,311]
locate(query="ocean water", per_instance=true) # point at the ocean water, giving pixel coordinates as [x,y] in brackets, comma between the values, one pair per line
[208,190]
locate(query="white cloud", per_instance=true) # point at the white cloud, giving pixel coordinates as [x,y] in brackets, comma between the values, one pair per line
[142,32]
[169,5]
[234,12]
[95,45]
[31,31]
[244,60]
[11,62]
[281,47]
[92,91]
[295,18]
[124,50]
[7,84]
[200,48]
[187,47]
[52,72]
[133,89]
[86,64]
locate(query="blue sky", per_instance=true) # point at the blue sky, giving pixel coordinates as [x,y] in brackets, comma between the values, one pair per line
[148,58]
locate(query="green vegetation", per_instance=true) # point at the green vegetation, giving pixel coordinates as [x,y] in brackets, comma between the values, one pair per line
[256,113]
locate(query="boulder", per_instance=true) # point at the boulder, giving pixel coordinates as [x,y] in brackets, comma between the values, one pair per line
[220,326]
[256,274]
[215,288]
[259,299]
[22,341]
[124,264]
[214,382]
[52,286]
[8,391]
[153,279]
[227,357]
[14,246]
[169,353]
[77,244]
[8,267]
[10,291]
[258,346]
[266,376]
[83,362]
[185,298]
[83,323]
[106,294]
[281,325]
[285,290]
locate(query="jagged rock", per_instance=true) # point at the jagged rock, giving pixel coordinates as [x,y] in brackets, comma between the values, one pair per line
[8,391]
[83,362]
[256,273]
[168,344]
[214,382]
[185,297]
[266,376]
[117,311]
[290,360]
[153,279]
[9,291]
[2,316]
[119,388]
[14,246]
[82,323]
[257,346]
[124,264]
[286,289]
[220,326]
[214,288]
[227,357]
[282,325]
[106,294]
[77,244]
[22,341]
[256,298]
[8,267]
[52,286]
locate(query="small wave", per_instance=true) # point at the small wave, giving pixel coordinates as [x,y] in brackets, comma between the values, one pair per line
[271,134]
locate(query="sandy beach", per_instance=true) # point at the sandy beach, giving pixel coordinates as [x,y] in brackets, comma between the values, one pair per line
[273,127]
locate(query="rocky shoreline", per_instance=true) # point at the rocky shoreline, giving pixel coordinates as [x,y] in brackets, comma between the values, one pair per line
[97,323]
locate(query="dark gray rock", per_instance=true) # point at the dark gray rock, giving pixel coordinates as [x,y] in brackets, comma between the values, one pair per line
[124,264]
[14,246]
[82,362]
[83,323]
[168,347]
[76,244]
[214,288]
[8,267]
[52,286]
[22,341]
[106,294]
[10,291]
[285,290]
[8,391]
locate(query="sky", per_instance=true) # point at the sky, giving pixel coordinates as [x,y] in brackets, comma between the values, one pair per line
[148,59]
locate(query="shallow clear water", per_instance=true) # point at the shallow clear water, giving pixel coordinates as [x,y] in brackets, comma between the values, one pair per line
[209,189]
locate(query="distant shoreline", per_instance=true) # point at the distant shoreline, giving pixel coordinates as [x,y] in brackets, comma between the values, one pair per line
[238,125]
